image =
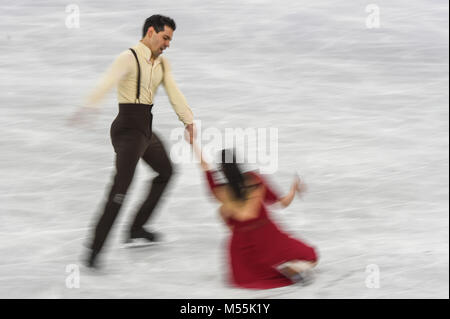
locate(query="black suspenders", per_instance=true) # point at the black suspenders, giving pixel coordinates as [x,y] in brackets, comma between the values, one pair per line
[138,90]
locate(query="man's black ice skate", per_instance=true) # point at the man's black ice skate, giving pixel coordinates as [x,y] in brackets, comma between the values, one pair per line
[142,238]
[91,260]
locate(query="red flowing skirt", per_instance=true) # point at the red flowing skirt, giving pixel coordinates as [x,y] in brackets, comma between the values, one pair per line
[256,247]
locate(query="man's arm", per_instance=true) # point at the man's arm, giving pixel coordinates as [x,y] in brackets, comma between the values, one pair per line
[119,69]
[176,98]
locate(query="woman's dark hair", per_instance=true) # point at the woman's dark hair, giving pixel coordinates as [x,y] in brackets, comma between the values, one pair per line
[233,174]
[158,22]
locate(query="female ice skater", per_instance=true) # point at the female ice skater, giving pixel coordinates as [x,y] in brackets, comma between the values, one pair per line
[261,256]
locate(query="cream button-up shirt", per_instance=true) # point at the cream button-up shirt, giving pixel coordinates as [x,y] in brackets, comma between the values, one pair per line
[123,73]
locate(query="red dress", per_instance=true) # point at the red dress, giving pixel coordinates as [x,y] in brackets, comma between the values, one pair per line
[257,246]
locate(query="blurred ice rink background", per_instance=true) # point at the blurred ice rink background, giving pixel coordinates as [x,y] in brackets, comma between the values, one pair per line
[362,115]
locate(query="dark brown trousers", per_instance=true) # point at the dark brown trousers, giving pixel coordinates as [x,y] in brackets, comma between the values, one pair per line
[132,139]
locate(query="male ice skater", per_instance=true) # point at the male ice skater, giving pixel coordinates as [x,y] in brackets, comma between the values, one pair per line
[137,72]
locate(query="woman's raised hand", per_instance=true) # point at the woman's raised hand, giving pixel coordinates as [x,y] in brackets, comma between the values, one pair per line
[299,185]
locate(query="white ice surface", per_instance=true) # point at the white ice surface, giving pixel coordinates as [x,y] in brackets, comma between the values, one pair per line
[362,115]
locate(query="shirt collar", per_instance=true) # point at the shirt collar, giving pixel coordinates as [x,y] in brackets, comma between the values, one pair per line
[146,52]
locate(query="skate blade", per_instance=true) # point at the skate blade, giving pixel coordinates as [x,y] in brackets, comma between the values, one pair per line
[304,278]
[141,243]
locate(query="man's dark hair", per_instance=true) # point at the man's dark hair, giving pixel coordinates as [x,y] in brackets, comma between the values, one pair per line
[158,22]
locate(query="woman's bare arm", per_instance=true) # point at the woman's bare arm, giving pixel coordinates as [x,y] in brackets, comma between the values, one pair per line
[198,153]
[216,190]
[298,186]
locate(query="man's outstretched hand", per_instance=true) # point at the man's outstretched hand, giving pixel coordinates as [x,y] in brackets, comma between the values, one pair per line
[82,116]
